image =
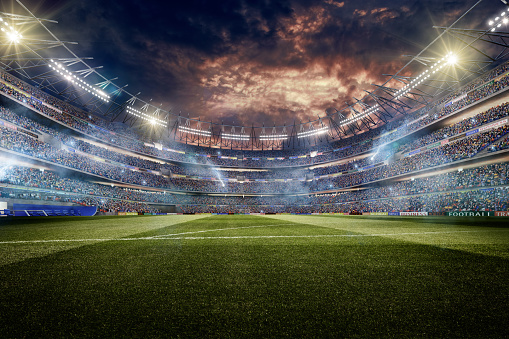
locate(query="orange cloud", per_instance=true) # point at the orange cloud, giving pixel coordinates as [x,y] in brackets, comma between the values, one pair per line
[292,79]
[334,3]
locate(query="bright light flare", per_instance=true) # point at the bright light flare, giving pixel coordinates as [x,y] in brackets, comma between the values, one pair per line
[14,36]
[452,59]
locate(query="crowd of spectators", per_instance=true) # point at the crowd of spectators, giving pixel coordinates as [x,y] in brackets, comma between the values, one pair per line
[453,151]
[468,189]
[494,199]
[444,154]
[106,198]
[112,155]
[22,143]
[103,204]
[62,111]
[471,123]
[502,144]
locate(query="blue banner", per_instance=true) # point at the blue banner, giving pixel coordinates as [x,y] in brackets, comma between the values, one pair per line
[472,132]
[35,99]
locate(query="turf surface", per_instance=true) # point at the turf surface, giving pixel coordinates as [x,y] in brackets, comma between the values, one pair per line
[250,276]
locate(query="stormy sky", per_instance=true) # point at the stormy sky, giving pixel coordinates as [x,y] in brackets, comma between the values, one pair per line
[249,61]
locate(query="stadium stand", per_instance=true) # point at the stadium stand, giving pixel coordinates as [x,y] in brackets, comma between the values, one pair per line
[272,181]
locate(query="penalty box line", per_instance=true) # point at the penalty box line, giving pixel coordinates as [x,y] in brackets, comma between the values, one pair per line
[234,237]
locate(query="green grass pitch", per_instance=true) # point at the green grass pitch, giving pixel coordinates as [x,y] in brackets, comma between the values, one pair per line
[254,277]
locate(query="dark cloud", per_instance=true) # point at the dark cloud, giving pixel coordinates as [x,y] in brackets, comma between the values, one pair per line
[249,61]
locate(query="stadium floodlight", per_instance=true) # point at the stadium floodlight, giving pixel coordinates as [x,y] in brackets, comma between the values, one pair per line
[450,59]
[194,131]
[72,78]
[273,137]
[242,137]
[152,120]
[314,132]
[12,35]
[361,115]
[498,21]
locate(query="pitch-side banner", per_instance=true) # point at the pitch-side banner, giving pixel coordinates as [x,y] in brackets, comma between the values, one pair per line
[127,213]
[471,214]
[414,213]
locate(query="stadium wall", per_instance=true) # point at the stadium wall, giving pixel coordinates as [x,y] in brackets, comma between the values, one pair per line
[12,202]
[26,210]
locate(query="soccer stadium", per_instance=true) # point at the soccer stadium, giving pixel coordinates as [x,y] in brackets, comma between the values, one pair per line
[306,169]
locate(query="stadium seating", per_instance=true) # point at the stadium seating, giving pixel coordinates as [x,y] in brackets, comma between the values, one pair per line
[97,148]
[478,184]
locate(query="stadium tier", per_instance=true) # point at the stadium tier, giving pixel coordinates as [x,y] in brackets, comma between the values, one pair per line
[482,188]
[462,128]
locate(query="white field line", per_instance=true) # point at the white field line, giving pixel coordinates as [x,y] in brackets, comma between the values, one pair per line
[128,239]
[236,237]
[218,229]
[56,240]
[316,235]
